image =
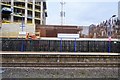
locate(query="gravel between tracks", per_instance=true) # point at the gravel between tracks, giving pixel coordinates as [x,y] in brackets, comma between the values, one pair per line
[40,72]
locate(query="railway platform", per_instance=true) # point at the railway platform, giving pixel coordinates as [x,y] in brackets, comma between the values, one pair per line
[59,53]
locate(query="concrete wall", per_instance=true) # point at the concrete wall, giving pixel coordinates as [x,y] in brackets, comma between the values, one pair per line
[13,29]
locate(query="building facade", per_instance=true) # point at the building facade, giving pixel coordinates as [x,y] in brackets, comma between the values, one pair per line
[53,30]
[119,10]
[33,12]
[102,30]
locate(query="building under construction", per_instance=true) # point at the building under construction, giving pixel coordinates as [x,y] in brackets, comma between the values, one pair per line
[30,11]
[21,16]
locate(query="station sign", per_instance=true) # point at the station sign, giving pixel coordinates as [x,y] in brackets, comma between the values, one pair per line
[22,34]
[73,36]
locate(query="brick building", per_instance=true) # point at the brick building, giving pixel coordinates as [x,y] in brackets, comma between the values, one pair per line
[53,30]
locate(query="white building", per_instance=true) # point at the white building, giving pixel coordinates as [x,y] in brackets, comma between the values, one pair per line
[119,10]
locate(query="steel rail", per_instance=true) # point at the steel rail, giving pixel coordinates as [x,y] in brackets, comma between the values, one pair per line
[58,64]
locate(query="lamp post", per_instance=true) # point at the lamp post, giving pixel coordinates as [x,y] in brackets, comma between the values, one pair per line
[111,25]
[110,33]
[22,25]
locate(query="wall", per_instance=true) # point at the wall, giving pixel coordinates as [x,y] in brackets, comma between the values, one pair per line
[13,29]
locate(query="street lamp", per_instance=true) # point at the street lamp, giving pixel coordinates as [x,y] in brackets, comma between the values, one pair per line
[110,33]
[22,21]
[114,16]
[22,33]
[111,24]
[22,25]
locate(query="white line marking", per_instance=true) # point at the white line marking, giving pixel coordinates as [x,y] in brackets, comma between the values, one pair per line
[59,53]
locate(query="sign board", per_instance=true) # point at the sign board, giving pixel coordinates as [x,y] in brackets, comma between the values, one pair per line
[22,34]
[73,36]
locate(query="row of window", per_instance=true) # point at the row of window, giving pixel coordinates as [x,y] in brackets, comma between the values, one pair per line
[58,46]
[22,4]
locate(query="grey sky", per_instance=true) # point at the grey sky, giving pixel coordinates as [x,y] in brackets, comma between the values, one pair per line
[81,13]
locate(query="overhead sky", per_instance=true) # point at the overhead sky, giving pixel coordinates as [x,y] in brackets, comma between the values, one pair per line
[81,12]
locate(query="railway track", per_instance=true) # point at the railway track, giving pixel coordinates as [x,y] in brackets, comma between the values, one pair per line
[59,61]
[61,64]
[54,56]
[45,59]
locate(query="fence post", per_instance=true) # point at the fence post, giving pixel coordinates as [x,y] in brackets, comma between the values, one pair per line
[75,45]
[61,45]
[22,47]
